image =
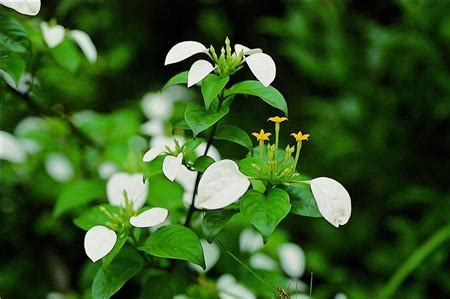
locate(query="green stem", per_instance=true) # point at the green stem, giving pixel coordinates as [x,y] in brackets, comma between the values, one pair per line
[297,153]
[414,261]
[261,151]
[277,133]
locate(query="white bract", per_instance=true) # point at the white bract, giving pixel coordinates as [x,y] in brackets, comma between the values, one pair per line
[132,184]
[261,65]
[59,167]
[250,241]
[292,259]
[211,253]
[11,148]
[221,185]
[262,261]
[55,34]
[26,7]
[157,105]
[150,218]
[99,241]
[229,288]
[212,151]
[332,200]
[24,83]
[153,127]
[107,169]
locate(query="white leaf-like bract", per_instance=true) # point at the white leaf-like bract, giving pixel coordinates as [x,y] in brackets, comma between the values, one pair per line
[172,165]
[198,71]
[59,167]
[247,51]
[134,186]
[107,169]
[261,261]
[263,67]
[151,154]
[157,105]
[250,241]
[11,149]
[211,252]
[98,242]
[153,127]
[332,200]
[26,7]
[221,185]
[212,151]
[85,43]
[229,288]
[53,35]
[149,218]
[292,259]
[184,50]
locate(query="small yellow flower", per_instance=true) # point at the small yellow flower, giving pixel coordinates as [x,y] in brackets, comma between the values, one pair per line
[261,136]
[277,119]
[299,136]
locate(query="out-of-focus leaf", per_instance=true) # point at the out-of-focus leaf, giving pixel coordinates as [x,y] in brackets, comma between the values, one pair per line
[176,242]
[66,54]
[173,282]
[214,221]
[265,212]
[77,194]
[269,94]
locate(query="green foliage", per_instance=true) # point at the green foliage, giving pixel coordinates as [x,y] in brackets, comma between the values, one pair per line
[302,200]
[94,216]
[265,212]
[180,78]
[212,85]
[270,95]
[177,242]
[67,55]
[234,134]
[199,120]
[215,221]
[202,163]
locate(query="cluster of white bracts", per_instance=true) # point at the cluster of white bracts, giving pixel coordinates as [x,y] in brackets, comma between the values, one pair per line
[261,64]
[100,240]
[26,7]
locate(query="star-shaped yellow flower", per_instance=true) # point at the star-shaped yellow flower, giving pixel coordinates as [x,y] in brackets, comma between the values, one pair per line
[277,119]
[261,136]
[299,136]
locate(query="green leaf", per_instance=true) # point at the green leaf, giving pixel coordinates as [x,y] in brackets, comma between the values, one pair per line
[174,283]
[121,240]
[302,200]
[77,194]
[180,78]
[110,279]
[199,120]
[214,221]
[234,134]
[153,167]
[212,85]
[270,95]
[203,162]
[66,54]
[94,216]
[249,166]
[14,65]
[265,213]
[176,242]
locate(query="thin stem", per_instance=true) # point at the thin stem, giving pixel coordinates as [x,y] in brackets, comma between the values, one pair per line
[197,179]
[297,153]
[277,133]
[413,261]
[261,150]
[27,98]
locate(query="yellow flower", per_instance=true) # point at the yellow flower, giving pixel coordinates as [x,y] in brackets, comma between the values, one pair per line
[261,136]
[277,119]
[299,136]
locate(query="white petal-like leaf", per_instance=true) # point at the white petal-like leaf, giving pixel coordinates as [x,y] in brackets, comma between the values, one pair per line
[198,71]
[263,67]
[26,7]
[211,252]
[247,51]
[98,242]
[250,240]
[151,154]
[59,167]
[292,259]
[332,200]
[133,184]
[85,43]
[172,165]
[221,185]
[261,261]
[184,50]
[53,35]
[149,218]
[153,127]
[229,288]
[157,105]
[11,149]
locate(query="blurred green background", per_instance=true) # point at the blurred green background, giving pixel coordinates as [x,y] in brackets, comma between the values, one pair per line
[370,83]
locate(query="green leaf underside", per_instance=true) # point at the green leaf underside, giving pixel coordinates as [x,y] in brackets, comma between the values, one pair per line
[166,285]
[199,120]
[234,134]
[176,242]
[110,279]
[302,200]
[265,212]
[77,194]
[270,95]
[94,216]
[203,162]
[214,222]
[212,85]
[180,78]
